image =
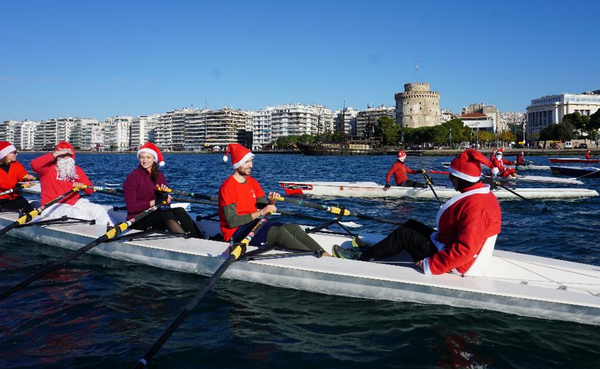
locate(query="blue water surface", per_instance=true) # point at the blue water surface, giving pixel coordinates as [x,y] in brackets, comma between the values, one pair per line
[99,313]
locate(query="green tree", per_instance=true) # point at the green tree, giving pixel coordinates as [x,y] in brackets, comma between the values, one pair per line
[507,136]
[575,119]
[387,130]
[594,123]
[306,138]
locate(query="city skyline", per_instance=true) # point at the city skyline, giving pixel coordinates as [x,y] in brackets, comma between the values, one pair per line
[105,59]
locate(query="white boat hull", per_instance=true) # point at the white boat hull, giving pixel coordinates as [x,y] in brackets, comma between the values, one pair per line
[514,283]
[372,189]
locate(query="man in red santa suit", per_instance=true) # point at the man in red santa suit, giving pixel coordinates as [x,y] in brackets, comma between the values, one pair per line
[399,170]
[499,162]
[588,155]
[59,174]
[464,224]
[242,202]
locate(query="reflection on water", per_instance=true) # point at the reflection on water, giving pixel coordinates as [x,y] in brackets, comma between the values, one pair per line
[97,312]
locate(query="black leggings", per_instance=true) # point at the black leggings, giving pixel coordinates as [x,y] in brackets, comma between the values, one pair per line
[172,220]
[19,203]
[413,237]
[411,183]
[291,236]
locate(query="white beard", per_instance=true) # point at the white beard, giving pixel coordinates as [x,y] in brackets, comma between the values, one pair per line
[65,169]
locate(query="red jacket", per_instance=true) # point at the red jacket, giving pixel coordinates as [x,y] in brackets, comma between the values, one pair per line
[588,155]
[45,167]
[464,223]
[8,180]
[399,170]
[500,163]
[243,195]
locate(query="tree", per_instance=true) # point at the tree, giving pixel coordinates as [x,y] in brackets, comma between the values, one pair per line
[387,130]
[507,136]
[594,123]
[575,119]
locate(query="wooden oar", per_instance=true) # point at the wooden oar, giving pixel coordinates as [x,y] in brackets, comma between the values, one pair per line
[539,207]
[114,231]
[430,184]
[237,250]
[336,210]
[35,212]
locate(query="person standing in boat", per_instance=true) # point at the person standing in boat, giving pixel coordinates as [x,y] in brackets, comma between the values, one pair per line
[11,174]
[145,186]
[242,202]
[465,223]
[399,170]
[588,155]
[58,174]
[499,162]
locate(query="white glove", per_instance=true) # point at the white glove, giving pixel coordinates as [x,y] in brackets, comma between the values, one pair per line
[495,172]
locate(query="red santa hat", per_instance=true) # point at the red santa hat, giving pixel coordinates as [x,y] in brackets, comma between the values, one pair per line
[6,148]
[467,165]
[65,145]
[401,155]
[239,155]
[153,150]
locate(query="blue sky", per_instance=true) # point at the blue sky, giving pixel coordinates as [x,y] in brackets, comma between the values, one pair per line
[106,58]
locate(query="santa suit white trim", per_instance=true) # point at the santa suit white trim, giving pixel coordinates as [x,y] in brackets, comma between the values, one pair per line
[439,245]
[82,209]
[7,150]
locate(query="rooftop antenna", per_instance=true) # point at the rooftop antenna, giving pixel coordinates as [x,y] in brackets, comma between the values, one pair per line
[417,71]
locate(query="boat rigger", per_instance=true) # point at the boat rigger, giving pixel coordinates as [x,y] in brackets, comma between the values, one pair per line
[513,283]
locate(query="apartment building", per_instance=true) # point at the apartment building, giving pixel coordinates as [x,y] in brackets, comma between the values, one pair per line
[116,132]
[345,120]
[141,130]
[366,120]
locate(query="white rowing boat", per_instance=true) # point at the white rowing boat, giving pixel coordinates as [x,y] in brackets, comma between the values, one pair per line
[372,189]
[519,168]
[514,283]
[519,178]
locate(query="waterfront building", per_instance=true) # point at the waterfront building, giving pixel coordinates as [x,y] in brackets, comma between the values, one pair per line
[551,109]
[417,106]
[195,130]
[325,119]
[116,130]
[293,120]
[25,135]
[46,135]
[7,130]
[447,115]
[366,120]
[261,128]
[478,121]
[141,130]
[344,120]
[488,110]
[226,126]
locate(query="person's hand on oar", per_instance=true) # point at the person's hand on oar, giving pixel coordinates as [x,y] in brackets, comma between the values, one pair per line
[163,195]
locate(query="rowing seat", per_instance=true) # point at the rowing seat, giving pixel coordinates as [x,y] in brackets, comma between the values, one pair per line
[483,259]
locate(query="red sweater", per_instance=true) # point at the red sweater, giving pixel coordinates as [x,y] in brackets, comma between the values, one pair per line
[8,180]
[243,195]
[464,223]
[45,167]
[399,170]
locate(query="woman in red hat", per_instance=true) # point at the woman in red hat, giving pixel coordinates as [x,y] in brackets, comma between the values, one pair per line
[465,224]
[11,174]
[399,170]
[145,186]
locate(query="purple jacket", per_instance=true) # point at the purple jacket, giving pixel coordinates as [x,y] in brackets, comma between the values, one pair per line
[139,190]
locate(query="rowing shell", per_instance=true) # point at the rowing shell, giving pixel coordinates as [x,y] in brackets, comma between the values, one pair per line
[518,167]
[514,283]
[588,172]
[573,160]
[520,178]
[372,189]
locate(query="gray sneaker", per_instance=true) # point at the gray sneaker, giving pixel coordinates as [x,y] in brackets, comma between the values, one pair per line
[342,253]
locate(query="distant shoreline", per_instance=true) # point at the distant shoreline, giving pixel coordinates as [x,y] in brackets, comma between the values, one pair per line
[443,152]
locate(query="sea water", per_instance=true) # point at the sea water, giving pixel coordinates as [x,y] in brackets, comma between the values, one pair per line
[98,313]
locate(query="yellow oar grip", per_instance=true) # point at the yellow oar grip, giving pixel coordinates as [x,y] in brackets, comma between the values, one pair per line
[161,190]
[113,232]
[34,213]
[237,252]
[338,211]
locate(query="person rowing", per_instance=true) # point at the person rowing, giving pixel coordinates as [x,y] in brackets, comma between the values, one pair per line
[242,202]
[521,159]
[498,162]
[399,170]
[11,174]
[465,223]
[58,174]
[145,187]
[588,155]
